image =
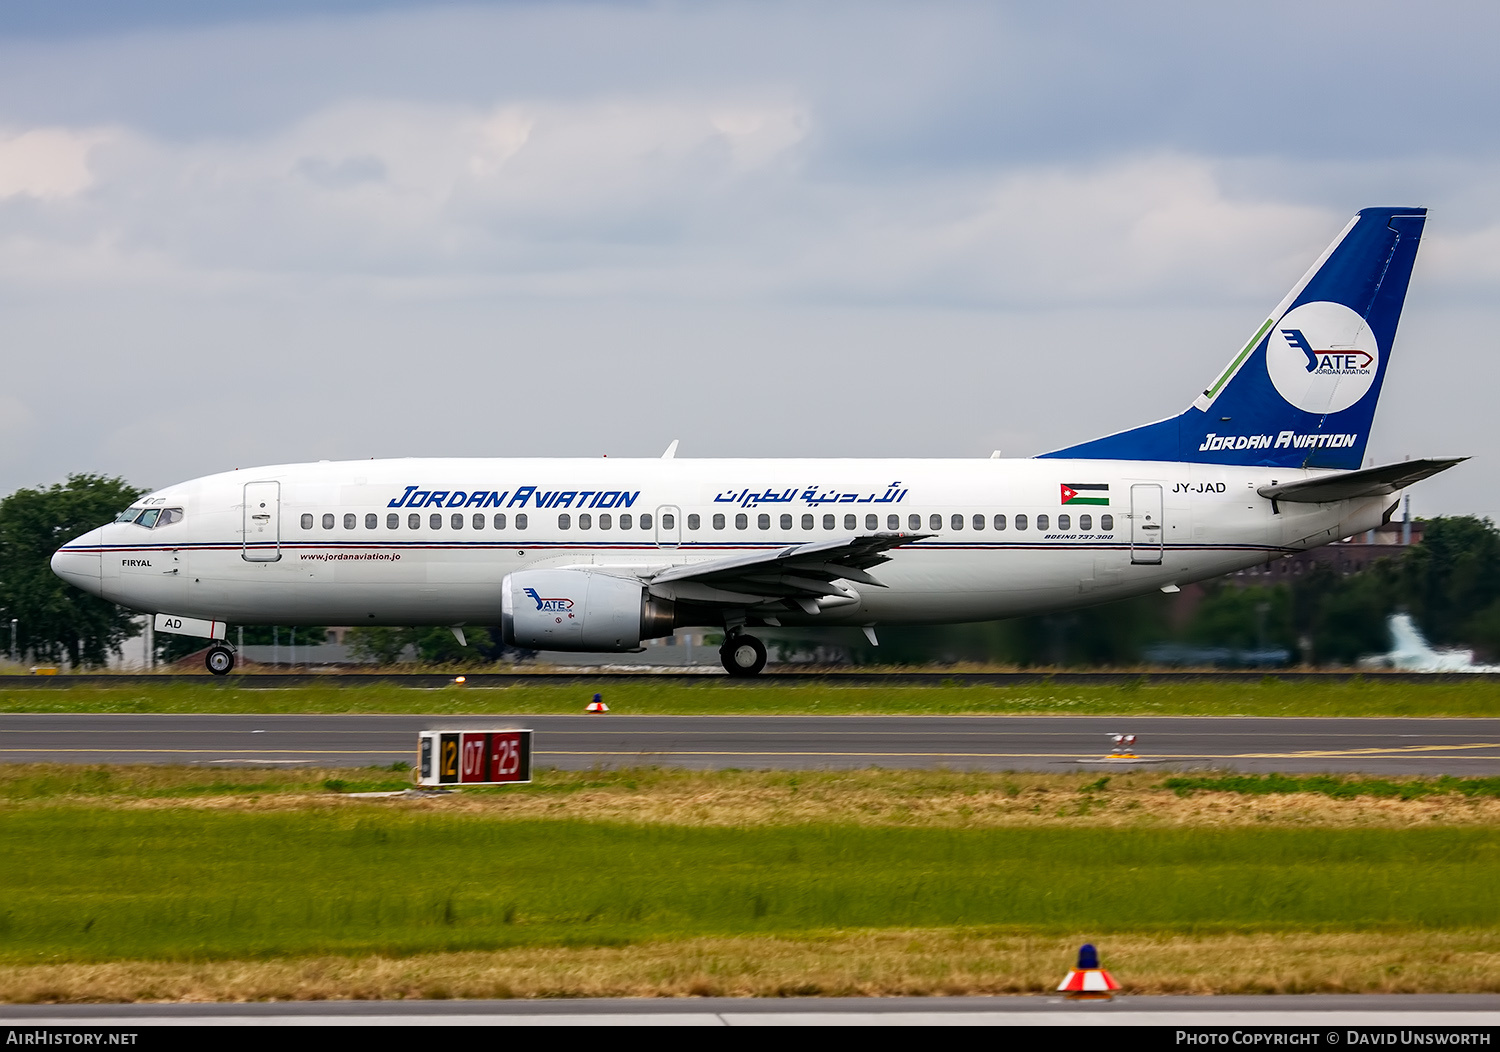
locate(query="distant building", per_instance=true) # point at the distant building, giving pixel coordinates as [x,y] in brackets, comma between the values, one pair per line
[1350,555]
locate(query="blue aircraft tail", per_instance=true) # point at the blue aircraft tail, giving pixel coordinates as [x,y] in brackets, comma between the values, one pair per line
[1302,393]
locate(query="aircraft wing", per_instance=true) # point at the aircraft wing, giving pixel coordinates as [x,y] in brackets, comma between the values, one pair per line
[1366,482]
[799,571]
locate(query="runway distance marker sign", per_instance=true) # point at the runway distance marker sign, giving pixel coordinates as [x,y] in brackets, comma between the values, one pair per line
[478,757]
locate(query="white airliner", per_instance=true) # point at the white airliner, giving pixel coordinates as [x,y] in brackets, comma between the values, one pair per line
[597,555]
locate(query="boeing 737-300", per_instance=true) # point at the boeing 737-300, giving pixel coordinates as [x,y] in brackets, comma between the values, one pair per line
[600,554]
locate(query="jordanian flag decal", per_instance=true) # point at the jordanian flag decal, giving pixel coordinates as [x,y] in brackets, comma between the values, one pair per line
[1083,493]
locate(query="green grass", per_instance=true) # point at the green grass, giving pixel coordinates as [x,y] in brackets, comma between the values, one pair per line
[645,695]
[1340,788]
[83,884]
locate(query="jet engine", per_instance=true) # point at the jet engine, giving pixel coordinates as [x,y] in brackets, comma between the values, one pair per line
[580,610]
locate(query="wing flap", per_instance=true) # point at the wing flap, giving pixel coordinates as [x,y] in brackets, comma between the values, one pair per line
[807,570]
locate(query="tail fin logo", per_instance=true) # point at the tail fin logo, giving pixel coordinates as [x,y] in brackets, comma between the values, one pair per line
[1322,358]
[1340,362]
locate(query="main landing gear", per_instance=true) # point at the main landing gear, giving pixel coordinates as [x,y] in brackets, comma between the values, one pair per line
[743,655]
[219,659]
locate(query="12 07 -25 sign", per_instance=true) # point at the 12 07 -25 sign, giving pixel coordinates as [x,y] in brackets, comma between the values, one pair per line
[474,757]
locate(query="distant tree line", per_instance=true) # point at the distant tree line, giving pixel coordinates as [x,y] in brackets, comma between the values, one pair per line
[1449,583]
[56,622]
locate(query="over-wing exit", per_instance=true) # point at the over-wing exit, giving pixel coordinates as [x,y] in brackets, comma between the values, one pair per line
[598,555]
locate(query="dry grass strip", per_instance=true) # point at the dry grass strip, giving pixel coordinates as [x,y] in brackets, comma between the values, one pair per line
[883,963]
[737,798]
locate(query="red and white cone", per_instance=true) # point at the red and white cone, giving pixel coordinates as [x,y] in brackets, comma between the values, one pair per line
[1088,982]
[597,705]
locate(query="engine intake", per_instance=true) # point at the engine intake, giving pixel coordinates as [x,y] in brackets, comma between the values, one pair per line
[580,610]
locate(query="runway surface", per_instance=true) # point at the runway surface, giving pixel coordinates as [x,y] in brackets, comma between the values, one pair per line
[1315,1011]
[1369,745]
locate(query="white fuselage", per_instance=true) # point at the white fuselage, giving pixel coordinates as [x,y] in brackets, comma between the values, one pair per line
[344,544]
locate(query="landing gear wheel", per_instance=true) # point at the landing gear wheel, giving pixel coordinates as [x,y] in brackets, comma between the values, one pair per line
[219,660]
[743,655]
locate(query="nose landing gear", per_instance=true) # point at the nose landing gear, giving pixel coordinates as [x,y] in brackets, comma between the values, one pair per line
[742,655]
[219,659]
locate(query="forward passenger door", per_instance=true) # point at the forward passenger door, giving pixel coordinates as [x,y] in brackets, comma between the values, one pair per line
[262,522]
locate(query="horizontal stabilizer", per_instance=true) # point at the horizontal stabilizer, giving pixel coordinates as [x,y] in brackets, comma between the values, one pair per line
[1367,482]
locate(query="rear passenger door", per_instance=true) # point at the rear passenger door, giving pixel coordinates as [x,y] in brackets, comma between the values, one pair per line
[1147,534]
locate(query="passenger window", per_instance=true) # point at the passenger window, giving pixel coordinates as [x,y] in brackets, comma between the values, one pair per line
[645,520]
[435,521]
[978,521]
[742,521]
[957,521]
[850,522]
[935,523]
[718,522]
[606,521]
[350,520]
[668,520]
[999,522]
[828,522]
[893,522]
[1064,522]
[393,521]
[1085,522]
[872,521]
[521,520]
[625,521]
[414,521]
[500,520]
[807,522]
[914,522]
[585,521]
[456,520]
[763,521]
[306,521]
[1106,522]
[694,521]
[565,521]
[786,522]
[328,520]
[479,520]
[372,521]
[1021,521]
[1042,522]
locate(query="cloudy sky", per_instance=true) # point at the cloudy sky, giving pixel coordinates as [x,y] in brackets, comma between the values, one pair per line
[253,232]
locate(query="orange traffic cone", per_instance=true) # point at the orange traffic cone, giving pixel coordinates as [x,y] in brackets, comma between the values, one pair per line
[1088,982]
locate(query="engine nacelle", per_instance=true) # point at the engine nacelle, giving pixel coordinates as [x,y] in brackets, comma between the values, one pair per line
[580,610]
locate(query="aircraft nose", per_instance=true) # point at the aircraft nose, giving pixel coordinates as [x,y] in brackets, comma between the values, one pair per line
[77,562]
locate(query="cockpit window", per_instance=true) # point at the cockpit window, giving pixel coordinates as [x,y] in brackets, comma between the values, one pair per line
[169,516]
[148,517]
[128,515]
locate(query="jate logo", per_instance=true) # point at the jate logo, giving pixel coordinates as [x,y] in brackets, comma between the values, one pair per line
[558,605]
[1332,362]
[1322,358]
